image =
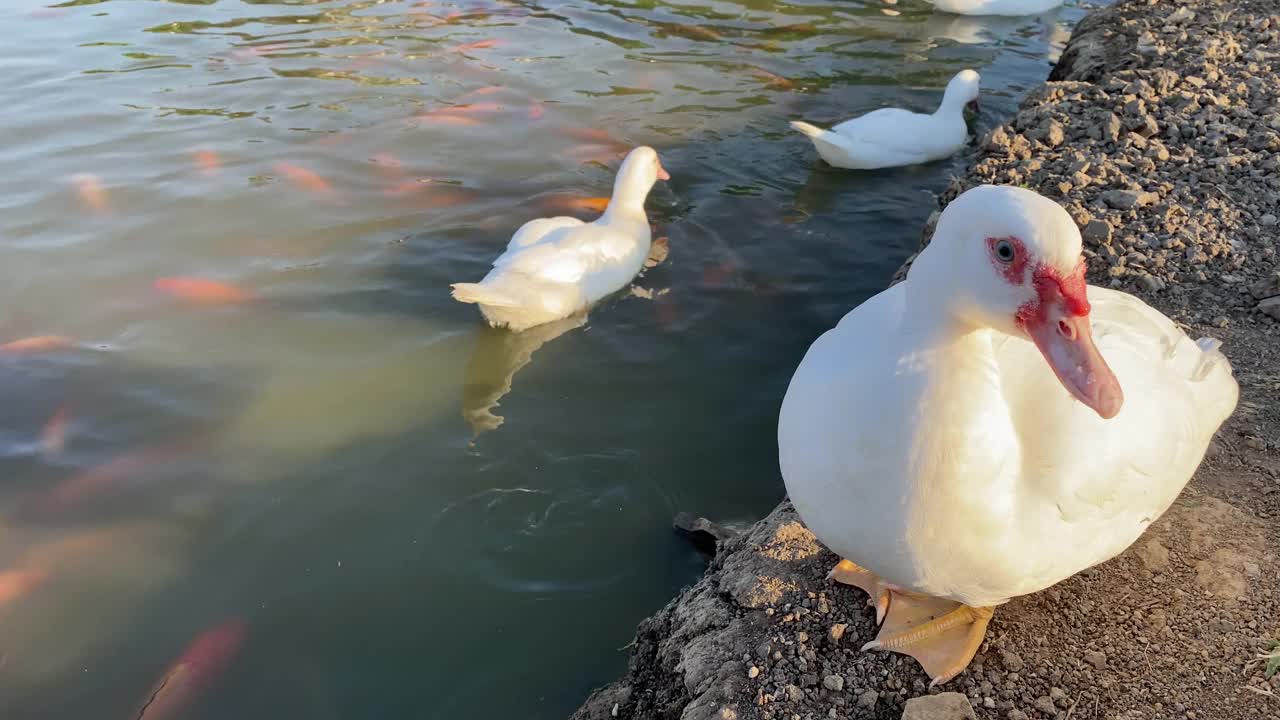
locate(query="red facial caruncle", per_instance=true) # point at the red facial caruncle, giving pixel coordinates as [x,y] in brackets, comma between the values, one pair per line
[1057,321]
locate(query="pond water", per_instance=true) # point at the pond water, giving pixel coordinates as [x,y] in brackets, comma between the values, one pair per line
[258,464]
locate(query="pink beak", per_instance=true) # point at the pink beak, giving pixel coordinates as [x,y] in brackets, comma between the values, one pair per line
[1058,323]
[662,172]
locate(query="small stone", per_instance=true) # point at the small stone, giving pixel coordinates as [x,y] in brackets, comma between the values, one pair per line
[1128,199]
[1151,283]
[868,698]
[1256,443]
[794,693]
[1221,321]
[989,703]
[1097,231]
[802,637]
[1012,661]
[1270,306]
[998,140]
[754,672]
[1016,715]
[1111,127]
[1054,136]
[1251,569]
[943,706]
[1268,286]
[1045,705]
[1268,220]
[834,683]
[837,631]
[1097,659]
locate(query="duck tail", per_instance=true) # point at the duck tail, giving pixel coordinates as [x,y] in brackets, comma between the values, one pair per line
[1215,381]
[812,131]
[1212,361]
[481,295]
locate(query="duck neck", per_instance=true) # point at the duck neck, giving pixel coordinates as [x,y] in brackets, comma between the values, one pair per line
[952,104]
[626,206]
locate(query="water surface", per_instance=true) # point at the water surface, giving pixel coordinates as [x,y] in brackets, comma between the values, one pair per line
[336,454]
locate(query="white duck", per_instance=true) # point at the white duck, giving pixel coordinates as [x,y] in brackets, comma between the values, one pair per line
[891,137]
[933,438]
[555,267]
[1007,8]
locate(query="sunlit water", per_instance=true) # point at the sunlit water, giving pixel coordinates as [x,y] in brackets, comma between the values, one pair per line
[341,457]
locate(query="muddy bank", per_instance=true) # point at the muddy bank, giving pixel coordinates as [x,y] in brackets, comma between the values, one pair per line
[1159,131]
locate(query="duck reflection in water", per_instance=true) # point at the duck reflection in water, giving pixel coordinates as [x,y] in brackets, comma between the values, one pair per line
[498,356]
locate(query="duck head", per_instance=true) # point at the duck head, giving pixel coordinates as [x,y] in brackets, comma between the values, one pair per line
[639,171]
[1006,258]
[962,92]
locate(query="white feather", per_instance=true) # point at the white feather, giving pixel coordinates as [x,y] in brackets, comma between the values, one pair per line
[957,465]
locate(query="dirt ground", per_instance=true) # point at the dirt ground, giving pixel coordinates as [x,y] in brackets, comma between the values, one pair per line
[1160,133]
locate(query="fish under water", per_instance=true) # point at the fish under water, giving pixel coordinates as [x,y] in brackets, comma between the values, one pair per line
[202,290]
[194,672]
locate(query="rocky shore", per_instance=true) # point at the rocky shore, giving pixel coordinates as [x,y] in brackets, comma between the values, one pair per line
[1159,131]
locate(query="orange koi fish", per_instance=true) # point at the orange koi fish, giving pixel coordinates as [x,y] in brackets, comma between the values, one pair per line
[304,178]
[54,435]
[195,671]
[468,108]
[570,203]
[445,119]
[772,80]
[201,290]
[487,90]
[16,583]
[38,343]
[208,162]
[477,45]
[593,136]
[91,192]
[102,478]
[603,154]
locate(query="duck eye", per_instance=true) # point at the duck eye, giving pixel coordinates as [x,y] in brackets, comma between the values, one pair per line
[1004,251]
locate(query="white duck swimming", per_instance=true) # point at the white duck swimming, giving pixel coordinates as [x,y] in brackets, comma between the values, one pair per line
[891,137]
[555,267]
[962,437]
[1007,8]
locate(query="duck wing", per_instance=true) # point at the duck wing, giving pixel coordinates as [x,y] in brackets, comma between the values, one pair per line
[896,136]
[1102,482]
[568,253]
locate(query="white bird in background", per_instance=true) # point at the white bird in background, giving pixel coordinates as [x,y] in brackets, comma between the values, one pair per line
[1007,8]
[891,137]
[555,267]
[962,438]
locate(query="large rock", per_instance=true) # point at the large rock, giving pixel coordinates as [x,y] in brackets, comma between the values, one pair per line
[1268,286]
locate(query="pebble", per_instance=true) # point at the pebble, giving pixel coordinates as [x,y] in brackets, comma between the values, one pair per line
[1045,705]
[837,631]
[943,706]
[834,683]
[1128,199]
[868,698]
[1268,220]
[1151,283]
[1097,232]
[754,672]
[1012,661]
[1096,658]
